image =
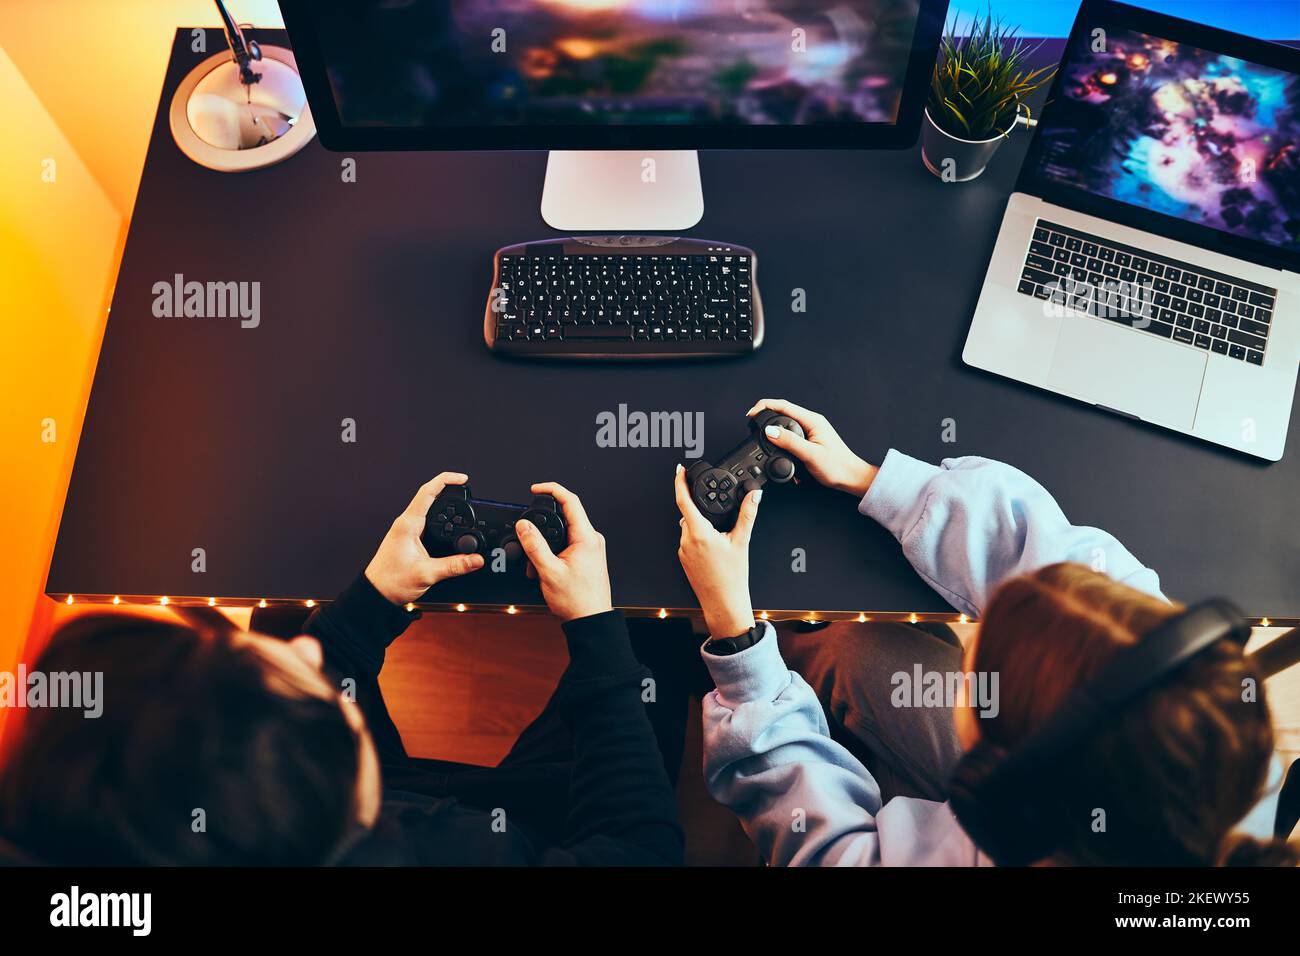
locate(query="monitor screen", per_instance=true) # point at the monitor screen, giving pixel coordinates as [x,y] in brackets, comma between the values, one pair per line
[503,65]
[1162,125]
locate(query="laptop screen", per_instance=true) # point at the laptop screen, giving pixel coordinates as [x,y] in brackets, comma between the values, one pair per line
[1164,126]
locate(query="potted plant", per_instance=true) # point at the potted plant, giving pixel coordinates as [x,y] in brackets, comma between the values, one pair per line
[977,97]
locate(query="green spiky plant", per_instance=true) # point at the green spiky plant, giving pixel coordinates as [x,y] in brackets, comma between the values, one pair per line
[982,80]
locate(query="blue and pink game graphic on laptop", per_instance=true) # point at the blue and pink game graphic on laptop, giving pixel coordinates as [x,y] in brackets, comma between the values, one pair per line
[1186,132]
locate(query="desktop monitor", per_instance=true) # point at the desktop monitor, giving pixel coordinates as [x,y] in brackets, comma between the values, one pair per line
[621,91]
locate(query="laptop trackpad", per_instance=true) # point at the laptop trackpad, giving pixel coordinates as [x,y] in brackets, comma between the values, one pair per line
[1128,370]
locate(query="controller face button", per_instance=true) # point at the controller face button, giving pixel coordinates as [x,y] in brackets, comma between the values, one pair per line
[441,517]
[539,520]
[513,549]
[724,498]
[712,496]
[458,520]
[467,544]
[448,528]
[726,484]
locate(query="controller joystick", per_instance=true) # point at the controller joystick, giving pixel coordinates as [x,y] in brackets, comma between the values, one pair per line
[718,490]
[459,523]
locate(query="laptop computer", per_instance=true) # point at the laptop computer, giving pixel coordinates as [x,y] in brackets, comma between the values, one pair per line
[1149,259]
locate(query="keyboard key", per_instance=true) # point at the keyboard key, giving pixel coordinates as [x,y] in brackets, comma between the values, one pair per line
[1244,338]
[1254,328]
[1258,298]
[1202,342]
[1220,346]
[1255,358]
[1183,335]
[1205,284]
[1236,351]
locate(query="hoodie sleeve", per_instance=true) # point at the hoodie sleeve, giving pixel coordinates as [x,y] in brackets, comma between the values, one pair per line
[970,523]
[768,756]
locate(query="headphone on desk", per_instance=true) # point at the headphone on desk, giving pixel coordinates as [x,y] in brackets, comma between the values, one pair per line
[999,796]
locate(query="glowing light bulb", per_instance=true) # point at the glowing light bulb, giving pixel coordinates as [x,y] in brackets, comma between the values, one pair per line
[663,613]
[762,616]
[262,603]
[69,600]
[164,600]
[310,603]
[963,618]
[1263,622]
[460,607]
[912,618]
[512,610]
[212,602]
[410,607]
[862,618]
[116,599]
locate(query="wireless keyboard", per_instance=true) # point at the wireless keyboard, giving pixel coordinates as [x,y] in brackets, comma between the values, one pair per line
[636,297]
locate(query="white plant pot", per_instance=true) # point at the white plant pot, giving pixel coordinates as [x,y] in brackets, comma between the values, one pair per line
[958,160]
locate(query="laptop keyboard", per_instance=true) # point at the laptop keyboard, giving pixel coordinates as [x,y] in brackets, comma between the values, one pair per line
[1152,293]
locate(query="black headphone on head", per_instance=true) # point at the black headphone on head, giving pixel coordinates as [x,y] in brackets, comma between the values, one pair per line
[999,796]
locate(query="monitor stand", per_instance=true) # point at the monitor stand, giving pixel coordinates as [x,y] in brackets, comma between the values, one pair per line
[624,191]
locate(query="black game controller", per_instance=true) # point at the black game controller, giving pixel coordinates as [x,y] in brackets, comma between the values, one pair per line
[459,523]
[719,489]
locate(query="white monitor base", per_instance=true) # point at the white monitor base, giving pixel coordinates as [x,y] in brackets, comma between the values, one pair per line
[622,190]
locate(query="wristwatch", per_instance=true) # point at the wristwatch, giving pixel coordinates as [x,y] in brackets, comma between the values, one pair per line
[725,646]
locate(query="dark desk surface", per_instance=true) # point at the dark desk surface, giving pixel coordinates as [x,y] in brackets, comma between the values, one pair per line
[203,434]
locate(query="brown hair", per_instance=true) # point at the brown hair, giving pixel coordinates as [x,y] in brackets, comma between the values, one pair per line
[1175,770]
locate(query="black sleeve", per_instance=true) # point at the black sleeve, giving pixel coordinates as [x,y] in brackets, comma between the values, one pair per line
[354,631]
[622,810]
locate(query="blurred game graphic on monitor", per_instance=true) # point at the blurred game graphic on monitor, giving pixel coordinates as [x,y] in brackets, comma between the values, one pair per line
[461,63]
[1204,137]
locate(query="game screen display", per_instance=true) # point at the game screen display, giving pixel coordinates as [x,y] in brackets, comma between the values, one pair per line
[1181,131]
[636,62]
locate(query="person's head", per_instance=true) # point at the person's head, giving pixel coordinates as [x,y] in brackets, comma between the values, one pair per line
[1174,771]
[214,747]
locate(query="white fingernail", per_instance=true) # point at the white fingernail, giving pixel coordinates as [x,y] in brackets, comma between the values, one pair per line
[758,496]
[679,468]
[773,431]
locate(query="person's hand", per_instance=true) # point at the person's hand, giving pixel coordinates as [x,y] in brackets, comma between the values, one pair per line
[821,450]
[717,564]
[575,582]
[401,569]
